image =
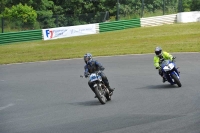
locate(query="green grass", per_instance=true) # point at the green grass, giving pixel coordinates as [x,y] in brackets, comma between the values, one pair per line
[172,38]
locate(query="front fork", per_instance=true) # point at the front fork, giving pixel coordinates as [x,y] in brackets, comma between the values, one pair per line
[100,87]
[168,76]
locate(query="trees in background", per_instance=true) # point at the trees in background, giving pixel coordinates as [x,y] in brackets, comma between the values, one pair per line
[20,15]
[56,13]
[195,5]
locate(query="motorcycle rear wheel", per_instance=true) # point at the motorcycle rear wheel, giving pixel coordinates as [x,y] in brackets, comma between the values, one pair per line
[176,80]
[101,97]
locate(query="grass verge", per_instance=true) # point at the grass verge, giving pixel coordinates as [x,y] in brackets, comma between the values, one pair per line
[172,38]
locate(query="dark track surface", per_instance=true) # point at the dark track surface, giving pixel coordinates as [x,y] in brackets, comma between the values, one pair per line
[50,97]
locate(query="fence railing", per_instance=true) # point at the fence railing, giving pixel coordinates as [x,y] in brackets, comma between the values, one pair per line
[22,36]
[119,25]
[158,20]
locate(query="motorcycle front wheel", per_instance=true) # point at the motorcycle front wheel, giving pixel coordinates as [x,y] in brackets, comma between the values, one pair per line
[176,80]
[100,95]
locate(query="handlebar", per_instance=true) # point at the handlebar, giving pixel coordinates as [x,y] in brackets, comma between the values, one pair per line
[173,59]
[97,72]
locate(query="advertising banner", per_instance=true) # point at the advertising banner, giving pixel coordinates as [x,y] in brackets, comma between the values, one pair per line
[63,32]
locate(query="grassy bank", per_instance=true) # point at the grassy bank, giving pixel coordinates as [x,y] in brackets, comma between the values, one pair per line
[172,38]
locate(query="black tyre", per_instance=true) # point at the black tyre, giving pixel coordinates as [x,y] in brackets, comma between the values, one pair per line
[100,96]
[176,80]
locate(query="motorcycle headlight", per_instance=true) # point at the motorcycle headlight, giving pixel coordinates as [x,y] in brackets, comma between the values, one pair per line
[171,66]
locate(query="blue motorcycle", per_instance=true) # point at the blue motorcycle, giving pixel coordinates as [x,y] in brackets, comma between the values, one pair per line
[170,72]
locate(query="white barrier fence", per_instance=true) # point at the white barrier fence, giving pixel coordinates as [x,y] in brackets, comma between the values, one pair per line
[158,20]
[186,17]
[183,17]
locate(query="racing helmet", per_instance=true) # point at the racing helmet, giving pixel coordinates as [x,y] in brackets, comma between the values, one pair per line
[87,58]
[158,51]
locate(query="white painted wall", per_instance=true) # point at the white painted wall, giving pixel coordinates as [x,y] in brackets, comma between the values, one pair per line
[185,17]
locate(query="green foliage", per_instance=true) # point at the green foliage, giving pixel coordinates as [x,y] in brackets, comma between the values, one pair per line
[43,8]
[2,5]
[45,14]
[21,15]
[195,5]
[45,18]
[186,5]
[57,13]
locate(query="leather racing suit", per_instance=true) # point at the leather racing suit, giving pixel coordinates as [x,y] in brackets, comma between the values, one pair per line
[94,66]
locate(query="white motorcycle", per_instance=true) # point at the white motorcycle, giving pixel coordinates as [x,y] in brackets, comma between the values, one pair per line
[101,91]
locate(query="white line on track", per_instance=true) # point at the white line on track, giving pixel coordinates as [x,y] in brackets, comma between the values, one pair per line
[4,107]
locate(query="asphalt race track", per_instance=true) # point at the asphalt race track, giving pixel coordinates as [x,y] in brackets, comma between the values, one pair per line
[50,97]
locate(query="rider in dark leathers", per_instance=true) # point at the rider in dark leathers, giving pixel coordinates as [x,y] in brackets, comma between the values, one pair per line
[93,66]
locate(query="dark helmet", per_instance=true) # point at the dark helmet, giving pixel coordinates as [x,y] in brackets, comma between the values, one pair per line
[87,57]
[158,51]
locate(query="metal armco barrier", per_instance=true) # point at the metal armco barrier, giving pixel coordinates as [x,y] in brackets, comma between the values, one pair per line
[21,36]
[119,25]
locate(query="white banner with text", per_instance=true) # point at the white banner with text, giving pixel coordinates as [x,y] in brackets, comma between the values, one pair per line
[63,32]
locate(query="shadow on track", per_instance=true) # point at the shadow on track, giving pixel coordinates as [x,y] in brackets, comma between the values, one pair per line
[87,103]
[164,86]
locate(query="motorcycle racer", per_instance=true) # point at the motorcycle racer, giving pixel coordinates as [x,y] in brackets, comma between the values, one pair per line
[159,57]
[93,66]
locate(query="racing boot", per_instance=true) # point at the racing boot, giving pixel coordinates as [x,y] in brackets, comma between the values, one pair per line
[110,90]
